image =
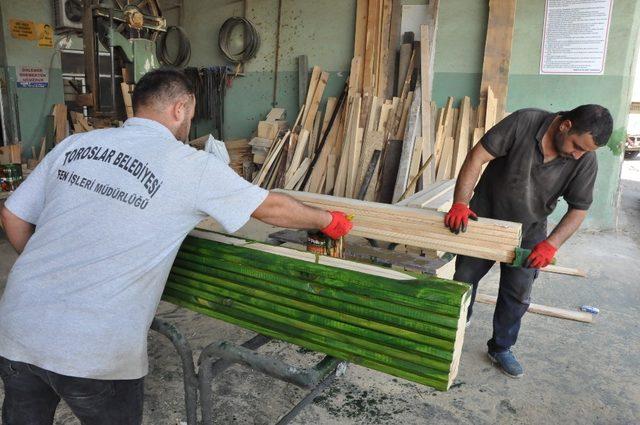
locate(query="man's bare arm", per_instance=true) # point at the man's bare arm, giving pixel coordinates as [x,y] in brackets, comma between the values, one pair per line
[18,231]
[567,227]
[469,174]
[284,211]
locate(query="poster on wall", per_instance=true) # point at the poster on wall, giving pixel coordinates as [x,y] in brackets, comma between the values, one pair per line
[32,77]
[575,35]
[22,30]
[45,35]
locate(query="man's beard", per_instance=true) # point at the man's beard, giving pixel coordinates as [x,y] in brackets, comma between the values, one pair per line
[558,143]
[182,133]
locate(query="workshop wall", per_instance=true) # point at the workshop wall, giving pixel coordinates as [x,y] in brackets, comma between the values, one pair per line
[324,32]
[33,103]
[613,90]
[321,30]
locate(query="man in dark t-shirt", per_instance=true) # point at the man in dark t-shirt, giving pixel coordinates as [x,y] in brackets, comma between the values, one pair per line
[535,157]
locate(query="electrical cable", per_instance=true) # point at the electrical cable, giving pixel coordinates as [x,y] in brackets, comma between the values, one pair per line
[183,55]
[251,40]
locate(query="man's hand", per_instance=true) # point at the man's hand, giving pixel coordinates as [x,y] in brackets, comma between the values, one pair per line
[458,217]
[340,225]
[541,255]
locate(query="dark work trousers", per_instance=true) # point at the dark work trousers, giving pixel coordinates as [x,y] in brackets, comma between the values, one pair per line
[31,395]
[513,295]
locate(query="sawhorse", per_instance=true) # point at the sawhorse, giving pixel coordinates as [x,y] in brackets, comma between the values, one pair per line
[216,357]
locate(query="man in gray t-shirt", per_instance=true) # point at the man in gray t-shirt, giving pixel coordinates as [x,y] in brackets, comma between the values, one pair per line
[534,157]
[98,224]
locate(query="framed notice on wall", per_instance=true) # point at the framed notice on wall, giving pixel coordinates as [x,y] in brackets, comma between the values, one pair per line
[574,39]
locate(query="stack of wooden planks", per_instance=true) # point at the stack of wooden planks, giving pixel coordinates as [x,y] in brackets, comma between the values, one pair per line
[486,238]
[370,143]
[375,317]
[80,123]
[267,133]
[458,130]
[239,154]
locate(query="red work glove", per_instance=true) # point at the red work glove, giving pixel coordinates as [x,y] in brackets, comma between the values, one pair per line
[541,255]
[340,225]
[458,217]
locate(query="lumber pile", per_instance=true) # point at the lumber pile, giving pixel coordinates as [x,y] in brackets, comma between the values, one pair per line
[486,238]
[11,154]
[239,154]
[371,316]
[79,122]
[266,134]
[60,122]
[383,138]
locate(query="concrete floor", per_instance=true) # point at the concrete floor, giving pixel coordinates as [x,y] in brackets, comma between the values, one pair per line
[575,373]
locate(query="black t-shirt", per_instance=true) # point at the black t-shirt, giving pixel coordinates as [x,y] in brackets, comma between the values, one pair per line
[517,185]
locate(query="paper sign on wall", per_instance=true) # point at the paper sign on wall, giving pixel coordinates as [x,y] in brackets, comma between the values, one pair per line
[22,30]
[575,36]
[32,76]
[45,35]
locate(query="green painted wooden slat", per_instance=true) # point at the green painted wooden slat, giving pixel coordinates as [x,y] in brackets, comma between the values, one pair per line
[406,317]
[419,288]
[439,384]
[393,337]
[375,319]
[415,288]
[350,352]
[260,269]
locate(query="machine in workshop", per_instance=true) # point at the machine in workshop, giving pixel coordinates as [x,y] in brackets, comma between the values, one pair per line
[129,33]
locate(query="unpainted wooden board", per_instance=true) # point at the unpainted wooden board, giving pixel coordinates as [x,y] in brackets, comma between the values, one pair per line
[444,168]
[315,102]
[371,57]
[412,132]
[373,140]
[461,146]
[362,8]
[298,155]
[313,85]
[560,313]
[426,51]
[422,228]
[492,109]
[497,52]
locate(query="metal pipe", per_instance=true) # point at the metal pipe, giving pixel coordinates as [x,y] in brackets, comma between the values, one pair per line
[228,352]
[277,57]
[112,61]
[324,384]
[188,368]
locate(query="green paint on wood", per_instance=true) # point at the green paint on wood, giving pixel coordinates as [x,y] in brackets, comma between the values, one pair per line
[616,142]
[405,328]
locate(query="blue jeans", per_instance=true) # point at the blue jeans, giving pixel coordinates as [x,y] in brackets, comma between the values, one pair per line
[31,395]
[513,295]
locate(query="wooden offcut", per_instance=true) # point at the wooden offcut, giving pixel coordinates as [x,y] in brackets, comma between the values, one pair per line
[560,313]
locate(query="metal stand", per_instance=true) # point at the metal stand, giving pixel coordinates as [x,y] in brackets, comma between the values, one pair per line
[218,356]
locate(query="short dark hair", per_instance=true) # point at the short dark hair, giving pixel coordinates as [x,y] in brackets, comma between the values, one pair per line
[594,119]
[160,86]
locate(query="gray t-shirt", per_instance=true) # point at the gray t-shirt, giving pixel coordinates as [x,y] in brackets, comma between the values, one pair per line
[111,208]
[518,185]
